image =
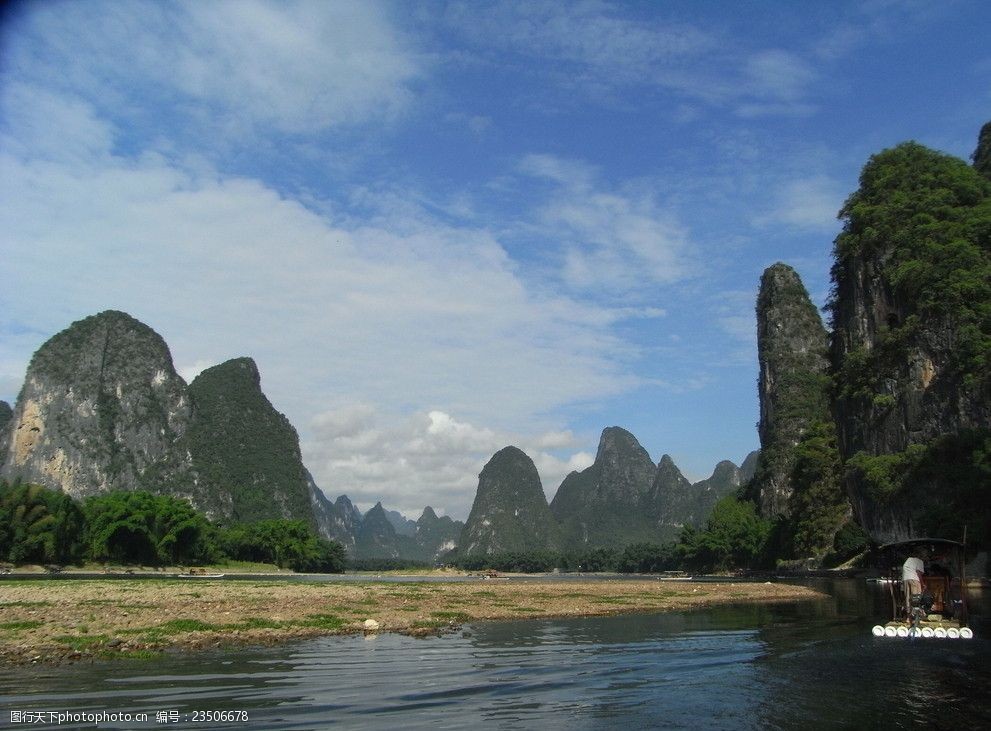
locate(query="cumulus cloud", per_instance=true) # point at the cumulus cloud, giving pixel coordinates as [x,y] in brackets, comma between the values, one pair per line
[365,322]
[805,203]
[615,240]
[428,458]
[295,66]
[599,49]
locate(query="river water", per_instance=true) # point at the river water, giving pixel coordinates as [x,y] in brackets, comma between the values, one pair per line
[797,666]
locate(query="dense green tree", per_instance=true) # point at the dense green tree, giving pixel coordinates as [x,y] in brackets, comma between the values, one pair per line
[734,537]
[819,504]
[928,215]
[139,527]
[648,558]
[38,525]
[589,560]
[286,543]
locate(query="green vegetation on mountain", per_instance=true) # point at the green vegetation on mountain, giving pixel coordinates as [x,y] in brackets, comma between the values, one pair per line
[101,409]
[510,512]
[819,506]
[793,386]
[245,450]
[982,155]
[924,220]
[911,314]
[604,504]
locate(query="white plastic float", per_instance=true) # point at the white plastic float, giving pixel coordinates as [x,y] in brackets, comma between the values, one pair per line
[939,633]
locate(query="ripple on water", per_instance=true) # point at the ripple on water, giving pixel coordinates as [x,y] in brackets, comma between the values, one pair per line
[748,667]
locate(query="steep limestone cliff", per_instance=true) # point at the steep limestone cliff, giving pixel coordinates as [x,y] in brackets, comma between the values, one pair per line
[335,521]
[792,353]
[604,504]
[676,502]
[435,535]
[510,511]
[6,413]
[376,538]
[671,499]
[911,340]
[102,408]
[244,449]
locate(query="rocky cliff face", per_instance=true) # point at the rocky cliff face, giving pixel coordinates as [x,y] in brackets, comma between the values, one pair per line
[335,521]
[672,500]
[982,155]
[603,505]
[6,413]
[244,450]
[376,538]
[792,351]
[912,280]
[102,408]
[676,502]
[435,535]
[510,511]
[403,525]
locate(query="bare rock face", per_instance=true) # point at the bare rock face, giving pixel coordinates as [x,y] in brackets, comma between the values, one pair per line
[510,511]
[102,408]
[792,350]
[335,521]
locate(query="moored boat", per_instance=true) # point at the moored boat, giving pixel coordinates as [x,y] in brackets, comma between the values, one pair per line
[925,580]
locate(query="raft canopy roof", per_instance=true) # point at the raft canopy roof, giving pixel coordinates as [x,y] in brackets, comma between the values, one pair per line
[921,542]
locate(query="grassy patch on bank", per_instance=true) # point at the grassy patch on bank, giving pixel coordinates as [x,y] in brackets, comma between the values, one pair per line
[77,642]
[19,625]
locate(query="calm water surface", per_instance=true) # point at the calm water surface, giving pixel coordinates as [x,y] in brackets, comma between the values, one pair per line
[813,665]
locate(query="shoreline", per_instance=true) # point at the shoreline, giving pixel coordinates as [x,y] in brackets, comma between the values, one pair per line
[58,620]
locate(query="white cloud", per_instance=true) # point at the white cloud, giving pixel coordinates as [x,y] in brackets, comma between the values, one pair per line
[393,315]
[189,372]
[618,241]
[778,74]
[599,49]
[805,203]
[296,67]
[428,458]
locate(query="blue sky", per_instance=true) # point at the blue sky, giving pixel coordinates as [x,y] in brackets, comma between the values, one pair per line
[441,228]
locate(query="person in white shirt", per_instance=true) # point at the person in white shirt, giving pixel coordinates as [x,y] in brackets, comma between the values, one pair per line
[912,578]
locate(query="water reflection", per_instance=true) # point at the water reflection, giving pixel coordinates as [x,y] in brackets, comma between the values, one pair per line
[769,666]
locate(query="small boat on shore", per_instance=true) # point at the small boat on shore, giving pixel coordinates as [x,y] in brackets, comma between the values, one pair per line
[939,609]
[198,574]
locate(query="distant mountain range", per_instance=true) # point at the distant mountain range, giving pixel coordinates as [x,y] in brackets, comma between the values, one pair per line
[620,499]
[103,409]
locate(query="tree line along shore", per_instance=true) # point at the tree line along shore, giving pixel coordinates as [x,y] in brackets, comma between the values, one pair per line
[63,620]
